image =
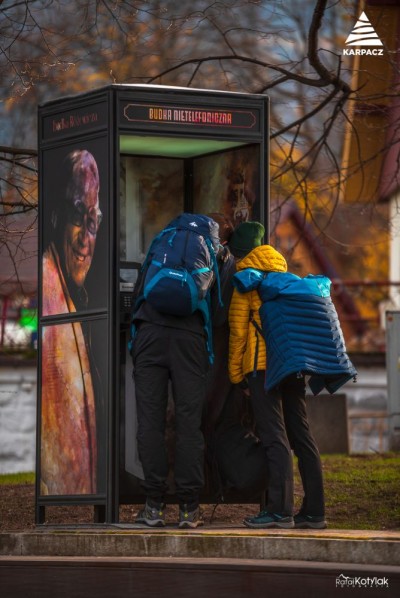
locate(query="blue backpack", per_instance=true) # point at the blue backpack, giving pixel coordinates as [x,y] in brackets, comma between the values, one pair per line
[180,267]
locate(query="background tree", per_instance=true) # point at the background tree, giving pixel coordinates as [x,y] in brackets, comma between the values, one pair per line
[290,50]
[53,48]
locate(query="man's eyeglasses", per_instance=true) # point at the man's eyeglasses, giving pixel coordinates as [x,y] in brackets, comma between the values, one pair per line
[78,212]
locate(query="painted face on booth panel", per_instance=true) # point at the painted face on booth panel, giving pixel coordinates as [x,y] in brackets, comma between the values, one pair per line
[238,194]
[80,236]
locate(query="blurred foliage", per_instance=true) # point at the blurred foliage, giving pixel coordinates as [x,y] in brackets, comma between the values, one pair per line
[291,51]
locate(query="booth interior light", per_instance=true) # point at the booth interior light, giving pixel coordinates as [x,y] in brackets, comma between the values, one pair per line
[173,147]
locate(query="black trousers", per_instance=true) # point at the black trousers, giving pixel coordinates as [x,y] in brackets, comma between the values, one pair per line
[282,425]
[161,354]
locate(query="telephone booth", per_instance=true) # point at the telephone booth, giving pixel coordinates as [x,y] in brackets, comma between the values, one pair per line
[115,166]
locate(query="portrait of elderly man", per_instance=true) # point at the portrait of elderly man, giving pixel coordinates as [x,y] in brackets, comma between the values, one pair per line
[70,401]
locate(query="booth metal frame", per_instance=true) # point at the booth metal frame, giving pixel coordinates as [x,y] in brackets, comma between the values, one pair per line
[135,119]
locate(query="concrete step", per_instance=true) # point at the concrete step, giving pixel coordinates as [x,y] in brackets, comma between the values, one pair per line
[330,546]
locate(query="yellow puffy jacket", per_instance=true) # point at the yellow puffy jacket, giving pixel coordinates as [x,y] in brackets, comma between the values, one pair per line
[243,334]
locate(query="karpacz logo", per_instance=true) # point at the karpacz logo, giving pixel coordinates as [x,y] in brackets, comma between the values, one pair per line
[363,34]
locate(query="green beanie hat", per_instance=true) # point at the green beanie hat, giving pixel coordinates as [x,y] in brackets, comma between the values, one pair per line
[246,237]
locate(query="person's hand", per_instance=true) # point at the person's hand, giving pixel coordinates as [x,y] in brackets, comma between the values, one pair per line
[244,386]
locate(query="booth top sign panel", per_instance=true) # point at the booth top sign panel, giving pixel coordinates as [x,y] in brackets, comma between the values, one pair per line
[179,116]
[144,110]
[181,111]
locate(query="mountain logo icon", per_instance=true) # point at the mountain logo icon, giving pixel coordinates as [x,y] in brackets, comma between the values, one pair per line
[363,34]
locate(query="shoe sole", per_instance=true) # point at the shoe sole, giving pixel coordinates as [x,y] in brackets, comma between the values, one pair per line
[310,525]
[151,523]
[273,524]
[190,524]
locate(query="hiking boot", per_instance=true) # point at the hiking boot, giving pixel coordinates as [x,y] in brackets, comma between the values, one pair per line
[265,520]
[190,519]
[153,516]
[309,521]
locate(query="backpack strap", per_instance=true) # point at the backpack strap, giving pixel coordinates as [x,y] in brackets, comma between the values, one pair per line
[200,270]
[215,268]
[133,331]
[257,332]
[204,308]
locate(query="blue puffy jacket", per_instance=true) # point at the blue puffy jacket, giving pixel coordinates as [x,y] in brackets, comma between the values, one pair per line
[300,327]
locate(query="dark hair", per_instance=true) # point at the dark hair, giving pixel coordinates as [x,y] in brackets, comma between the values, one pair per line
[225,226]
